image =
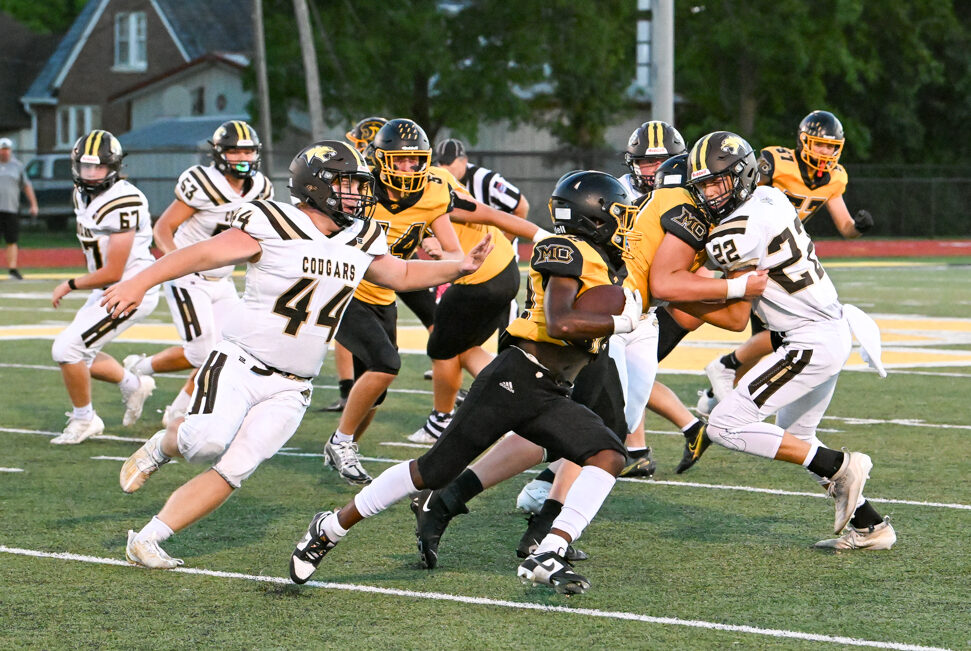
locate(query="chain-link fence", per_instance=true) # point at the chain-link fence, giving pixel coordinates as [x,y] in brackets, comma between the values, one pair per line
[918,201]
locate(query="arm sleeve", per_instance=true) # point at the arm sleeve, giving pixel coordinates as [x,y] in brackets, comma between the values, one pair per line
[687,223]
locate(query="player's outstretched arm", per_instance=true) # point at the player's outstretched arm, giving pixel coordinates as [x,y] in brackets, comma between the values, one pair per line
[467,210]
[173,217]
[232,246]
[848,227]
[407,276]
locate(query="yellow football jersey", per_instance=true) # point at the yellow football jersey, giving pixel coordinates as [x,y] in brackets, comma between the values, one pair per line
[806,189]
[404,221]
[666,210]
[571,257]
[470,234]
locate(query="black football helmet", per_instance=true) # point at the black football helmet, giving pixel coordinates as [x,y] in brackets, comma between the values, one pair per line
[595,206]
[722,155]
[820,127]
[362,133]
[673,173]
[318,175]
[235,134]
[654,140]
[96,148]
[397,139]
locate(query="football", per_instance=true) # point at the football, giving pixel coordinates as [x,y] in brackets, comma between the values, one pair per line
[603,299]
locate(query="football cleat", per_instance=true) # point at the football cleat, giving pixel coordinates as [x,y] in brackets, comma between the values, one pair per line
[429,527]
[460,397]
[549,568]
[535,532]
[171,414]
[311,549]
[879,536]
[706,402]
[694,447]
[532,496]
[78,430]
[130,361]
[432,429]
[846,486]
[135,400]
[428,374]
[336,406]
[722,379]
[141,465]
[343,457]
[148,554]
[15,274]
[639,464]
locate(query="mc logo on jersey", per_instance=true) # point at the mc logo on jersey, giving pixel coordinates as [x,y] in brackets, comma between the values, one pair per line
[323,153]
[552,253]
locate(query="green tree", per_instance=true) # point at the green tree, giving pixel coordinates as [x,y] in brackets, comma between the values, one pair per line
[50,16]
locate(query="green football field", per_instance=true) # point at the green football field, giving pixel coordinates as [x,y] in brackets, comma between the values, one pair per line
[720,556]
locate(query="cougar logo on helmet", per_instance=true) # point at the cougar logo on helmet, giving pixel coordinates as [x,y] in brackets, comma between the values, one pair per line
[322,153]
[732,144]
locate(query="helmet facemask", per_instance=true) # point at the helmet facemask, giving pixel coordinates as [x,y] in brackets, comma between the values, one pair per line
[404,181]
[643,182]
[815,160]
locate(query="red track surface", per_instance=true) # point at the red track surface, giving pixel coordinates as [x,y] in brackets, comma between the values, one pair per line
[863,248]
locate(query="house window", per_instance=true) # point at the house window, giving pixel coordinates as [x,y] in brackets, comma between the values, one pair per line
[73,122]
[130,35]
[198,101]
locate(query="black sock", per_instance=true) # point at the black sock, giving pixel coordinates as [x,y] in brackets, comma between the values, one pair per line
[730,361]
[692,431]
[345,387]
[826,462]
[546,475]
[546,515]
[866,516]
[453,497]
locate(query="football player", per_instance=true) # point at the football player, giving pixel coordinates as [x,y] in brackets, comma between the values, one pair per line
[115,231]
[360,135]
[811,177]
[526,388]
[757,227]
[304,262]
[205,197]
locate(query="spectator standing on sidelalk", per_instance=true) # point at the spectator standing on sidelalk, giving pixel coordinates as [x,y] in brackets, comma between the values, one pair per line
[12,181]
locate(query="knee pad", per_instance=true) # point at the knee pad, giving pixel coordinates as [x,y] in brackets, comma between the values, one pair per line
[197,350]
[67,349]
[380,399]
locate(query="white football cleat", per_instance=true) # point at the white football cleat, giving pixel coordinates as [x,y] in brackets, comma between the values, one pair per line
[344,458]
[135,400]
[846,486]
[78,430]
[171,414]
[140,466]
[130,361]
[532,496]
[432,429]
[721,377]
[706,402]
[880,536]
[148,554]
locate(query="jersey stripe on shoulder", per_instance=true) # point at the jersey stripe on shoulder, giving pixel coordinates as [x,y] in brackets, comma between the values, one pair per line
[282,224]
[372,230]
[267,189]
[126,201]
[733,226]
[207,186]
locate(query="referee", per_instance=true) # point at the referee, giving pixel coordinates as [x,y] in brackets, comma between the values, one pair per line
[12,181]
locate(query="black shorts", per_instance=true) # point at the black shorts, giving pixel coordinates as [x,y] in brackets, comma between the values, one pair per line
[598,387]
[10,226]
[758,325]
[467,315]
[422,303]
[514,393]
[670,333]
[370,333]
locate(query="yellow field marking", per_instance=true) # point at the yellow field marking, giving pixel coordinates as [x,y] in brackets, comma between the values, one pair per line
[61,275]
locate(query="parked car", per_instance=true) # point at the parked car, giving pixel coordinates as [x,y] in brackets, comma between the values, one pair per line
[50,174]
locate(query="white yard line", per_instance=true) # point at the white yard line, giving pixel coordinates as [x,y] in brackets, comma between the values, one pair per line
[497,603]
[11,469]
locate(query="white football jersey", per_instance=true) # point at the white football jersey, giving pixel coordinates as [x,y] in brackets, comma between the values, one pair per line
[297,291]
[207,191]
[628,184]
[120,208]
[765,232]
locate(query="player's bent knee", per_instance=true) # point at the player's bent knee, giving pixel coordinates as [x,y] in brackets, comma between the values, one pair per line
[196,353]
[67,350]
[610,461]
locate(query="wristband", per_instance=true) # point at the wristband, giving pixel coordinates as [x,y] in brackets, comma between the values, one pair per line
[71,284]
[736,286]
[540,234]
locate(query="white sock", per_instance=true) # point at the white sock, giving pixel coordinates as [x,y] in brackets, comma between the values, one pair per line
[143,367]
[689,425]
[585,498]
[636,449]
[552,543]
[156,530]
[83,413]
[129,383]
[390,486]
[181,402]
[332,528]
[341,437]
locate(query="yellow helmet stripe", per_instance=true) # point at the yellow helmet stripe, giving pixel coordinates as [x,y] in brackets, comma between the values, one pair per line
[239,130]
[97,143]
[702,149]
[249,133]
[657,135]
[87,143]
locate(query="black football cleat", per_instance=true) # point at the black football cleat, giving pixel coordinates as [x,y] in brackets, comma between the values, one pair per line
[695,444]
[310,550]
[549,568]
[429,526]
[535,532]
[639,464]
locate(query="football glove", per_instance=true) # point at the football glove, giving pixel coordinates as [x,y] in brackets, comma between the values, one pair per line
[627,320]
[863,221]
